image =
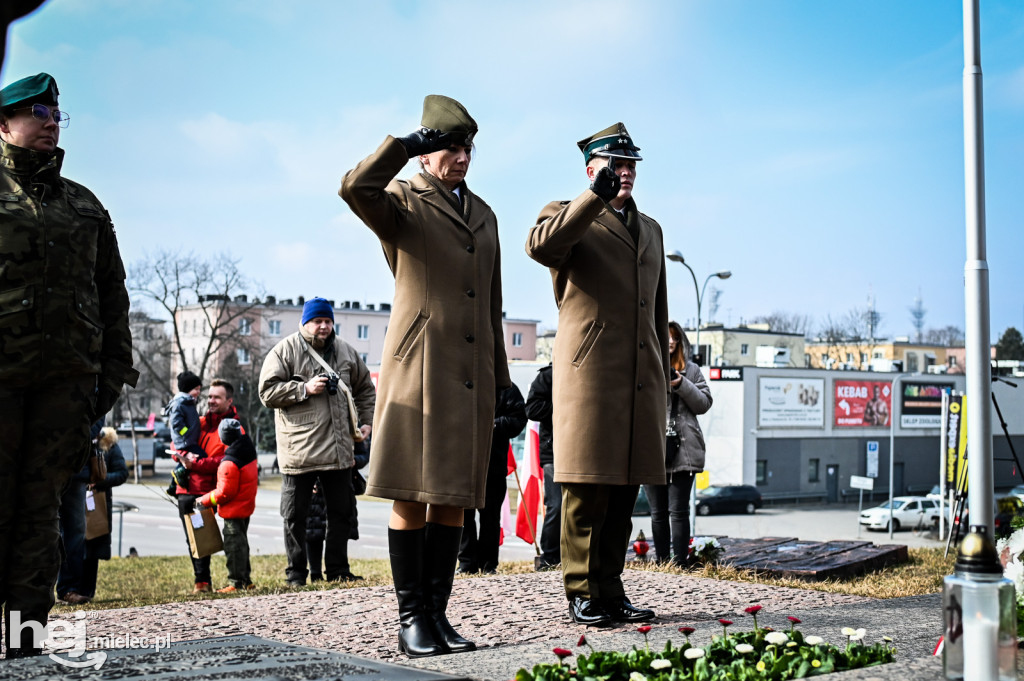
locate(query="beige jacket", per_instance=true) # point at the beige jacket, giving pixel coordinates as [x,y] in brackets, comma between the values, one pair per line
[314,433]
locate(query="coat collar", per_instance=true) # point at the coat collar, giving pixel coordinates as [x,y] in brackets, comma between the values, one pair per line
[27,163]
[608,219]
[430,193]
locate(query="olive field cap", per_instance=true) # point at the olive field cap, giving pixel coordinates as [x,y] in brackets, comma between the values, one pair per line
[613,141]
[445,114]
[38,89]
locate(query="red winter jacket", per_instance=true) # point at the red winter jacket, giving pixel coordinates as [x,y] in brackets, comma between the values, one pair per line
[237,479]
[202,476]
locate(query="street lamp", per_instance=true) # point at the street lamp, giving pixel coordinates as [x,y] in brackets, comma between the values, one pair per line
[676,256]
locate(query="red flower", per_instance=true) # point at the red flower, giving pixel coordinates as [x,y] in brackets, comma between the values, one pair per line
[562,653]
[582,641]
[686,631]
[794,620]
[724,623]
[753,610]
[644,629]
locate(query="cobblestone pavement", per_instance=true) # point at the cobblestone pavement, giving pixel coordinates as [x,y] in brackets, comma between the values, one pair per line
[517,619]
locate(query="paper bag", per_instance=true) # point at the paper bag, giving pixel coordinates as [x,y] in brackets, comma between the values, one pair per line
[203,533]
[96,524]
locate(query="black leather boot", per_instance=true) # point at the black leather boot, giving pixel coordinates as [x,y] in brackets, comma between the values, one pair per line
[415,635]
[441,551]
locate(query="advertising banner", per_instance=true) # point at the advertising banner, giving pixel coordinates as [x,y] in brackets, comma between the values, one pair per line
[791,402]
[921,404]
[862,403]
[956,443]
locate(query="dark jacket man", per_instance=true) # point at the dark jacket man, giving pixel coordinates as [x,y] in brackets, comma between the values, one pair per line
[66,346]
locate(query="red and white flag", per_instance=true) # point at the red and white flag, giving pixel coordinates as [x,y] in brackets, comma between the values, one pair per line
[529,505]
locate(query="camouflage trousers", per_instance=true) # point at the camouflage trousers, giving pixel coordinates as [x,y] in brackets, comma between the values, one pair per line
[45,441]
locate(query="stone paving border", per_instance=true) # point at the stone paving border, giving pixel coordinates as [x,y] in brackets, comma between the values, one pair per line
[517,619]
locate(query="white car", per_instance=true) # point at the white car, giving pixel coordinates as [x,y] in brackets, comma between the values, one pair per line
[906,512]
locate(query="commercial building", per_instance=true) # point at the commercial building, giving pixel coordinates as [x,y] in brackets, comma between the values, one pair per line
[801,434]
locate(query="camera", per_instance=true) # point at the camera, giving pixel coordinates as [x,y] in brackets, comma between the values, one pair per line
[332,382]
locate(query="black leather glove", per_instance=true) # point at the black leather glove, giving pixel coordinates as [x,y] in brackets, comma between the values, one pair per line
[189,506]
[606,184]
[425,141]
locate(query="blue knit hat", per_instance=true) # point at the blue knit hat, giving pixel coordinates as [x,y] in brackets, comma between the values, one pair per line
[317,307]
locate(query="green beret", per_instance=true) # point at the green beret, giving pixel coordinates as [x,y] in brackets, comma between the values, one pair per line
[38,89]
[445,114]
[613,141]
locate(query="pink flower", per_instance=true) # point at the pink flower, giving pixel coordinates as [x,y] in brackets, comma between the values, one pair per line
[582,641]
[724,623]
[644,629]
[562,653]
[686,631]
[753,610]
[794,620]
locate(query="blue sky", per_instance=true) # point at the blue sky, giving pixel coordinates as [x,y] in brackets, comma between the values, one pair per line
[815,149]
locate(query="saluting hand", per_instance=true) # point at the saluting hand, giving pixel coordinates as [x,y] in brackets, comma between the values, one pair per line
[606,184]
[425,141]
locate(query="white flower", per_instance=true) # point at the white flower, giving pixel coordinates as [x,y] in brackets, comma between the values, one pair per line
[791,644]
[661,664]
[776,638]
[1016,543]
[744,648]
[848,631]
[1014,571]
[637,676]
[858,635]
[693,653]
[813,640]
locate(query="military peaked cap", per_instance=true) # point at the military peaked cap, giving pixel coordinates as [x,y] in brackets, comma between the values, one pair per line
[613,142]
[445,114]
[38,89]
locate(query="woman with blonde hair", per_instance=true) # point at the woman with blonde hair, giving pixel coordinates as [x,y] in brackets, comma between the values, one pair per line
[688,396]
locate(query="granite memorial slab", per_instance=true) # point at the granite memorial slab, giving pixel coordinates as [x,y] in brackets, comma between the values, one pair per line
[226,657]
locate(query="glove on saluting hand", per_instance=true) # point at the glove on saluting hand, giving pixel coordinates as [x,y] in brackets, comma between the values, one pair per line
[606,184]
[425,141]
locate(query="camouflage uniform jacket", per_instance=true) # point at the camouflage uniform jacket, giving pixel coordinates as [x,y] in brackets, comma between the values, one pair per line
[63,302]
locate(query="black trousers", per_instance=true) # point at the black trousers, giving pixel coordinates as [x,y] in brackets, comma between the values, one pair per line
[551,530]
[670,516]
[596,527]
[478,550]
[336,486]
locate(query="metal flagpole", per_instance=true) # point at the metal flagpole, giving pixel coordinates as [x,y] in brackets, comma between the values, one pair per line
[976,283]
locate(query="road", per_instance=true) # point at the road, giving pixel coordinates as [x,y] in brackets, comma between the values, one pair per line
[155,529]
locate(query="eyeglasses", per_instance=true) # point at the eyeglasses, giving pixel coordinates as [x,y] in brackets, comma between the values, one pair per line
[41,112]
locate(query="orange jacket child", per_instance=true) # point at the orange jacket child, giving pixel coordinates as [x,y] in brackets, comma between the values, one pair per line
[237,477]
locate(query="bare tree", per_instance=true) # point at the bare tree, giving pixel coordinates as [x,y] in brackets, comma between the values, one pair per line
[950,336]
[172,281]
[785,322]
[917,315]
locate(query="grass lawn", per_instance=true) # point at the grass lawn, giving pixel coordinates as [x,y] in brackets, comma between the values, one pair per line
[130,582]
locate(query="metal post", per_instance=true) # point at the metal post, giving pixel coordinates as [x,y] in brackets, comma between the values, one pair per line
[892,447]
[976,283]
[943,450]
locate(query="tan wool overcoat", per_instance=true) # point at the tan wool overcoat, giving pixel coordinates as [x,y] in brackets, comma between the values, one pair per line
[611,350]
[444,352]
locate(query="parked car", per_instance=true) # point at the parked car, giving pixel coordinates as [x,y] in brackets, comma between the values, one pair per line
[936,493]
[1005,509]
[642,505]
[728,499]
[907,512]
